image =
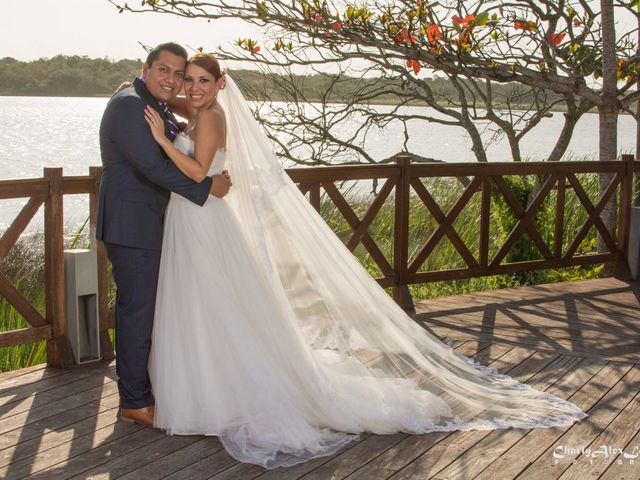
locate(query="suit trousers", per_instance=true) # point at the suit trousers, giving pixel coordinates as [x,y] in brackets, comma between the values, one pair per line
[135,271]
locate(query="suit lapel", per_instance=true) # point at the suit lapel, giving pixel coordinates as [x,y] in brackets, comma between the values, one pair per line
[141,89]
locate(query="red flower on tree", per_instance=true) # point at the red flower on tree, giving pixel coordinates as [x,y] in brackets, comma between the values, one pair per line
[463,22]
[415,65]
[525,25]
[404,36]
[555,38]
[433,33]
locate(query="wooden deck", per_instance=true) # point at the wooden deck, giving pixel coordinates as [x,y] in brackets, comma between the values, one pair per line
[578,340]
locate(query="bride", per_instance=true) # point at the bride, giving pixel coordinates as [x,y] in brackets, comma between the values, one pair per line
[269,334]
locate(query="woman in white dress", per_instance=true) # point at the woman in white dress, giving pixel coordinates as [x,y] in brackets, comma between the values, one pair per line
[269,334]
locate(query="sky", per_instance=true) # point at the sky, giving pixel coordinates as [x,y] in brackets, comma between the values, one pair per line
[32,29]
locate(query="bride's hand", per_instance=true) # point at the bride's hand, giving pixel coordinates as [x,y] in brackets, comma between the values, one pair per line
[122,86]
[156,123]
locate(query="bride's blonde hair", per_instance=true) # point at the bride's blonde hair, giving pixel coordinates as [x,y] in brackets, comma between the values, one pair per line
[209,63]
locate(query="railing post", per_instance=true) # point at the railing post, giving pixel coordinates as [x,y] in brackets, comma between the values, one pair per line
[314,196]
[624,218]
[636,187]
[558,235]
[485,219]
[401,236]
[106,348]
[58,349]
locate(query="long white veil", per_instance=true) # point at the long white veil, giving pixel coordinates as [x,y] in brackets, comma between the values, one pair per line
[347,320]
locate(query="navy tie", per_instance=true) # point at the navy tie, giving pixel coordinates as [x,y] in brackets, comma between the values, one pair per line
[172,122]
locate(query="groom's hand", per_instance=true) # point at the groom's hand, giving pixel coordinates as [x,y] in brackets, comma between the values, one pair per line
[220,184]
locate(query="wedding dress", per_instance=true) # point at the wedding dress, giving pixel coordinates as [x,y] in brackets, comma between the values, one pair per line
[269,334]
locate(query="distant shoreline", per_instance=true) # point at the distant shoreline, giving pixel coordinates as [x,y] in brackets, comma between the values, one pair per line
[83,77]
[44,95]
[312,100]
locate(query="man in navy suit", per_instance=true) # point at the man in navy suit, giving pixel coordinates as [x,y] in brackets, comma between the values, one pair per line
[136,183]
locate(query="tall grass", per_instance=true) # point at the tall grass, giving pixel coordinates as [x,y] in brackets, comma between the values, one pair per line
[25,265]
[444,256]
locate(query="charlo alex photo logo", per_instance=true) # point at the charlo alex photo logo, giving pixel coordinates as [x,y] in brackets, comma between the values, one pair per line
[604,454]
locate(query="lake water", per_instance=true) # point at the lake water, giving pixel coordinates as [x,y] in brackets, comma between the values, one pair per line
[63,132]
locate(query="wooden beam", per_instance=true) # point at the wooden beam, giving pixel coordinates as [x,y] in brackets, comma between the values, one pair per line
[485,218]
[18,225]
[525,218]
[558,237]
[58,349]
[25,335]
[624,217]
[32,187]
[445,225]
[77,185]
[20,303]
[106,348]
[400,290]
[594,214]
[354,221]
[440,217]
[341,173]
[512,168]
[508,268]
[370,214]
[314,196]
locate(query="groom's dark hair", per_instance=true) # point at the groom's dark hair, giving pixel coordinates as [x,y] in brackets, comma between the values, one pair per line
[169,47]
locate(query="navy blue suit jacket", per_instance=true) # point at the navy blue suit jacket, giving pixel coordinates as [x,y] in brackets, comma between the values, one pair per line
[137,176]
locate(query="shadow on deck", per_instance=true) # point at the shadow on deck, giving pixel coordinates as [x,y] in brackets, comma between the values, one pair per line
[577,340]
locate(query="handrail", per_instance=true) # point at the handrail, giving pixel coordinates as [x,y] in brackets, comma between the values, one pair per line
[401,179]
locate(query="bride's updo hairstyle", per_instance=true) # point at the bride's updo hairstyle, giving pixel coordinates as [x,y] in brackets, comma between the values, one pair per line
[207,62]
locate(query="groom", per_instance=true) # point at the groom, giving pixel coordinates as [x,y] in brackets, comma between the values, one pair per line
[136,182]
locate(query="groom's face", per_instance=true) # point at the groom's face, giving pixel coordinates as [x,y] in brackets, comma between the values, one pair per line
[164,76]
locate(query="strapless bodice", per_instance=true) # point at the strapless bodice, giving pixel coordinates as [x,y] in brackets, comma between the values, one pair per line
[187,146]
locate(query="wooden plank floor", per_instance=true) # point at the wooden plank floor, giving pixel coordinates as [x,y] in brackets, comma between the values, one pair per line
[578,340]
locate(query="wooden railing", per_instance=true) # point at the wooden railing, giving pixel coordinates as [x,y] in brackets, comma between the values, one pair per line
[403,179]
[50,191]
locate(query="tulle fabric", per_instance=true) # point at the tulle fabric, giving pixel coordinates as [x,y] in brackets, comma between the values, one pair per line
[272,336]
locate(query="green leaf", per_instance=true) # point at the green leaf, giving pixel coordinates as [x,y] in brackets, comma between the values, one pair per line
[350,11]
[481,19]
[261,9]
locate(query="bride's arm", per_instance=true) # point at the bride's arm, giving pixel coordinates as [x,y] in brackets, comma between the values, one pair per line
[206,143]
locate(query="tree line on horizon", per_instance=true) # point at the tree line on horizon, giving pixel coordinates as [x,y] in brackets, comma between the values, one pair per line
[74,75]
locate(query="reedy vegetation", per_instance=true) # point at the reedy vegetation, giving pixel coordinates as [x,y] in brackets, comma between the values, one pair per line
[25,264]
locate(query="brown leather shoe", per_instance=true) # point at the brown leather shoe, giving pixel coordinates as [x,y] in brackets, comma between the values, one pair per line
[143,416]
